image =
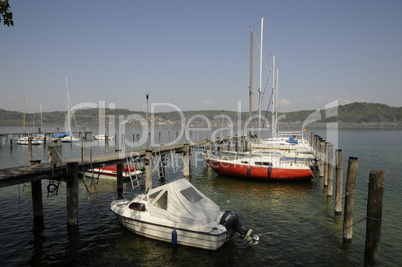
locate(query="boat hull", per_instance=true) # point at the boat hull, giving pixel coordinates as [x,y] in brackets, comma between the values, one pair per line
[110,172]
[143,224]
[225,168]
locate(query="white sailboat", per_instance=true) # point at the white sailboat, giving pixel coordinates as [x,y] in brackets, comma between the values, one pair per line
[66,137]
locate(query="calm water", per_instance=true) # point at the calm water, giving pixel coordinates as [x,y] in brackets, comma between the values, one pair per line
[295,221]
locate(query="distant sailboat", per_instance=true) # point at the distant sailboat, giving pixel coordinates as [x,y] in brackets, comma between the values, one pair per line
[66,137]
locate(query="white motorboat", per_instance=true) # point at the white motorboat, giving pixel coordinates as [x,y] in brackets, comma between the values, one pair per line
[103,137]
[179,213]
[34,140]
[110,172]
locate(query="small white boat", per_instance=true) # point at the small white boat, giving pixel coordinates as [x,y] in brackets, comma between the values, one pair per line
[110,172]
[34,140]
[179,213]
[103,137]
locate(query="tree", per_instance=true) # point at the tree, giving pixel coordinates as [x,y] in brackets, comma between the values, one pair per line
[5,13]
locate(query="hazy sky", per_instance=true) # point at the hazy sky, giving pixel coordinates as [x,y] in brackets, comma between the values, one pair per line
[195,54]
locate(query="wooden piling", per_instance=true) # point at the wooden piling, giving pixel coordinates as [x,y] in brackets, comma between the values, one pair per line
[330,170]
[148,169]
[107,144]
[37,203]
[72,194]
[29,149]
[321,158]
[119,169]
[338,182]
[326,161]
[350,199]
[186,160]
[374,218]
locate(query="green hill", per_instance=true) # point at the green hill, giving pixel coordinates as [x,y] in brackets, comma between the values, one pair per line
[358,114]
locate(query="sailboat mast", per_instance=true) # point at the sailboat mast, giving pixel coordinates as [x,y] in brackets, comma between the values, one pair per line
[250,88]
[260,87]
[68,108]
[276,101]
[273,134]
[23,124]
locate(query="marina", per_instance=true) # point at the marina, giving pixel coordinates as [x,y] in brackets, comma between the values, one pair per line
[291,211]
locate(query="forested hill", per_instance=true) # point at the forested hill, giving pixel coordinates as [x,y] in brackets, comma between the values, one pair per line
[356,114]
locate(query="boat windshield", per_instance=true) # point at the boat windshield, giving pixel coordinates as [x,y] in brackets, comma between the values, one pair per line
[191,195]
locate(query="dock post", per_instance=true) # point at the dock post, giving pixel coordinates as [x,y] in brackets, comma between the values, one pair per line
[374,218]
[350,199]
[186,160]
[119,168]
[338,182]
[148,170]
[106,144]
[72,194]
[29,149]
[321,157]
[37,203]
[326,164]
[330,170]
[82,148]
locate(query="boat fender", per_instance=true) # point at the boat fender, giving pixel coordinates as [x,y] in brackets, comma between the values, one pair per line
[174,237]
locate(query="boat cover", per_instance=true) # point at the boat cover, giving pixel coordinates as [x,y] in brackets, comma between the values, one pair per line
[61,135]
[181,202]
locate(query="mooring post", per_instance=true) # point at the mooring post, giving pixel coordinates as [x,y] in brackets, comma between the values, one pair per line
[72,193]
[330,170]
[338,182]
[326,164]
[37,203]
[350,199]
[29,149]
[374,218]
[119,168]
[321,158]
[186,160]
[106,144]
[137,141]
[148,169]
[82,148]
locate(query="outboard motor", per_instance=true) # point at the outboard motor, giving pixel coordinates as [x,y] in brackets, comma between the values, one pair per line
[231,221]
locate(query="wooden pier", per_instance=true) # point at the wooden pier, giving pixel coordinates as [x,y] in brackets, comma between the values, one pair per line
[68,171]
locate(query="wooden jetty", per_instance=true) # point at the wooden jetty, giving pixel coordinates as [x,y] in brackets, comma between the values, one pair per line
[68,170]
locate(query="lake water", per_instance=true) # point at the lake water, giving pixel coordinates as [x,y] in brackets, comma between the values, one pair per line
[295,221]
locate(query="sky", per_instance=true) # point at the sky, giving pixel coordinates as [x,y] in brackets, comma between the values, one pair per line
[194,55]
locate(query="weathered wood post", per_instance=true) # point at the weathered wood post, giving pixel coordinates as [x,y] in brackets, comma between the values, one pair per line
[106,144]
[186,160]
[339,182]
[82,148]
[350,199]
[123,143]
[326,164]
[119,169]
[148,169]
[72,193]
[137,141]
[37,203]
[330,170]
[374,218]
[29,149]
[321,158]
